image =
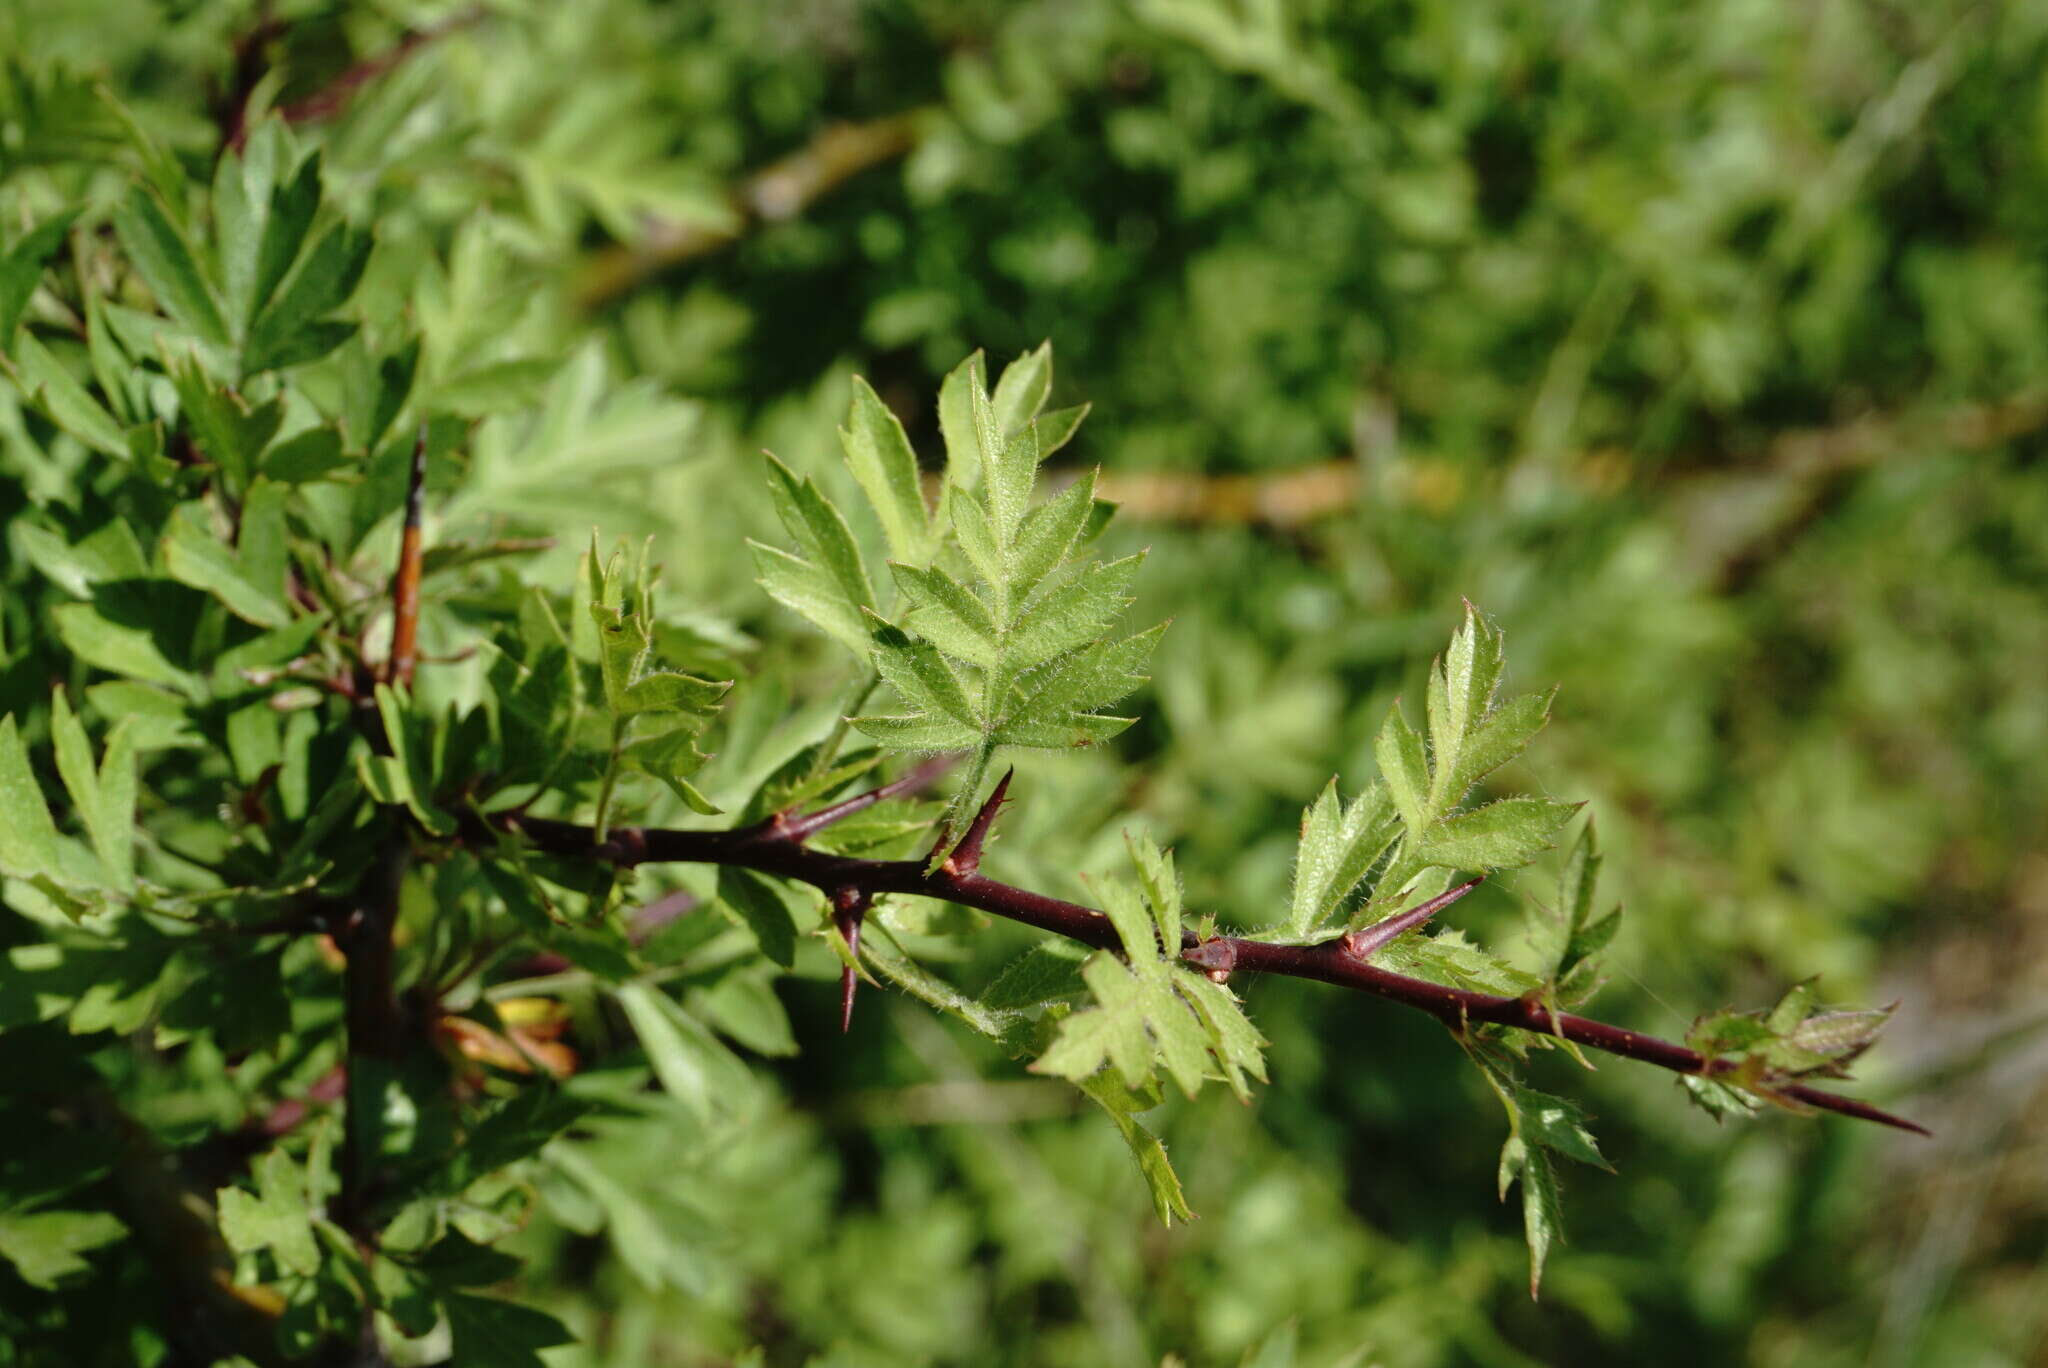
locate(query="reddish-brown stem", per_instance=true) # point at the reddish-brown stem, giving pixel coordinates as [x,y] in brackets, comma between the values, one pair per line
[334,97]
[405,584]
[769,849]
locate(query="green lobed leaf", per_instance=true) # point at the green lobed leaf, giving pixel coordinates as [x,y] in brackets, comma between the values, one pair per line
[921,675]
[1404,770]
[293,204]
[1500,835]
[879,454]
[53,389]
[1067,690]
[164,257]
[1123,1106]
[44,1246]
[1050,533]
[1557,1124]
[103,797]
[947,614]
[1150,1011]
[1022,389]
[1461,691]
[28,836]
[489,1333]
[1047,972]
[694,1068]
[243,180]
[757,903]
[965,457]
[1568,942]
[918,734]
[822,533]
[276,1217]
[1069,614]
[1339,844]
[999,1024]
[194,554]
[744,1007]
[515,1129]
[226,430]
[289,331]
[118,647]
[1450,958]
[1541,1210]
[21,270]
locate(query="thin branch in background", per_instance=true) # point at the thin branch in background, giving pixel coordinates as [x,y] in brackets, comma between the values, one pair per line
[334,97]
[1802,465]
[231,104]
[802,828]
[405,583]
[777,192]
[768,849]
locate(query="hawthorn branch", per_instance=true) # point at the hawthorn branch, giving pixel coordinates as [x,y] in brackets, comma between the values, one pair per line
[770,848]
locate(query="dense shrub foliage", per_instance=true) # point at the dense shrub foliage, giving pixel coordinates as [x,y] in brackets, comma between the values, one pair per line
[429,926]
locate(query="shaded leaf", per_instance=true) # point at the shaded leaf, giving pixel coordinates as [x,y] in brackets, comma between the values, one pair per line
[44,1246]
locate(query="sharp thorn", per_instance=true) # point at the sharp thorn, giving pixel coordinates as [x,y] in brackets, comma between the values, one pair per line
[966,857]
[1367,941]
[849,910]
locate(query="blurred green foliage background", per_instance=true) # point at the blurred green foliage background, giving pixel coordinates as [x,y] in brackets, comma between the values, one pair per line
[1704,347]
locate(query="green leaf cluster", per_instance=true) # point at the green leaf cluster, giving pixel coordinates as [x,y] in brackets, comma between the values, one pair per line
[1151,1013]
[1000,635]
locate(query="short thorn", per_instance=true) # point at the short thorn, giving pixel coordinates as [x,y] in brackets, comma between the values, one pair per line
[1367,941]
[1215,957]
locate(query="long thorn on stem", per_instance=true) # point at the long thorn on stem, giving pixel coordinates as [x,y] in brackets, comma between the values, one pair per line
[1365,942]
[405,585]
[849,910]
[966,857]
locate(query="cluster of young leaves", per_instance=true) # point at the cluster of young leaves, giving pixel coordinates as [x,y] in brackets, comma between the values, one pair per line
[1151,1011]
[668,707]
[1410,831]
[1001,633]
[1117,1026]
[1759,1052]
